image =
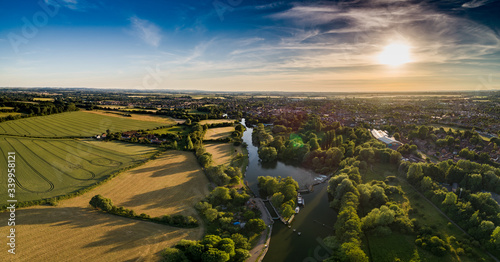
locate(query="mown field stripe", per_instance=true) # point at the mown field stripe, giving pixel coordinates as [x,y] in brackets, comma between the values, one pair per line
[50,164]
[78,156]
[26,163]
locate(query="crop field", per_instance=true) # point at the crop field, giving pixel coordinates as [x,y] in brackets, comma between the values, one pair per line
[164,120]
[71,124]
[216,121]
[48,168]
[44,99]
[171,184]
[218,133]
[178,130]
[73,230]
[222,153]
[6,114]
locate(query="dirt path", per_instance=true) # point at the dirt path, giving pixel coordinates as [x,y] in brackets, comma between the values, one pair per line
[259,251]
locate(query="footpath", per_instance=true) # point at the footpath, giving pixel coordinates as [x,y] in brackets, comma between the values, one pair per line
[259,251]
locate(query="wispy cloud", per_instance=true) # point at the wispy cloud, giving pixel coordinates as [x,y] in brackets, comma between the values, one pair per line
[147,31]
[477,3]
[75,5]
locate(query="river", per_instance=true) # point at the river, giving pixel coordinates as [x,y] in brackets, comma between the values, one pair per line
[314,221]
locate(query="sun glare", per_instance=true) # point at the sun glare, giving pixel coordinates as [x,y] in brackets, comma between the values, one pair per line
[395,55]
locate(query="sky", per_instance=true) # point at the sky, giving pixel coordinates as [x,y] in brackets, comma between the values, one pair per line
[251,45]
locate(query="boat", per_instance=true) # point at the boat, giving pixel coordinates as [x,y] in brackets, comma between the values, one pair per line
[300,200]
[297,209]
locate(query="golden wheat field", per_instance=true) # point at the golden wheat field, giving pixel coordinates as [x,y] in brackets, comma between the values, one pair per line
[218,133]
[216,121]
[222,153]
[72,231]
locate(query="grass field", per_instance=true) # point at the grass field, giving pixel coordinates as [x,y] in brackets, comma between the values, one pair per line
[171,184]
[48,168]
[44,99]
[72,231]
[165,120]
[454,129]
[6,114]
[178,130]
[222,153]
[218,133]
[72,124]
[216,121]
[6,108]
[403,246]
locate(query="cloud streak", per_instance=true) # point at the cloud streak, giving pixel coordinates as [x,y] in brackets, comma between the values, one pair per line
[147,31]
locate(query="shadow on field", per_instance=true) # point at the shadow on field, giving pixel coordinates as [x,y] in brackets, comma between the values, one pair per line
[182,197]
[93,229]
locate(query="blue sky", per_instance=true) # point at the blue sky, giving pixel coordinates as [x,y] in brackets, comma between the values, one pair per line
[234,45]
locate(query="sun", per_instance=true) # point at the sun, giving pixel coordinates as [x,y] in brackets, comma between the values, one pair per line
[395,55]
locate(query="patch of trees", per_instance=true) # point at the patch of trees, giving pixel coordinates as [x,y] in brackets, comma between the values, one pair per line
[36,109]
[106,205]
[281,191]
[211,248]
[477,213]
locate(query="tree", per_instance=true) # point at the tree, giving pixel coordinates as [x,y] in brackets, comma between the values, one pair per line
[313,143]
[173,255]
[189,143]
[450,199]
[220,196]
[415,173]
[255,225]
[214,255]
[241,255]
[268,154]
[240,241]
[277,199]
[495,239]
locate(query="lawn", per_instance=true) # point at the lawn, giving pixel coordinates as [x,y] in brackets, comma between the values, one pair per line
[73,231]
[72,124]
[49,168]
[218,133]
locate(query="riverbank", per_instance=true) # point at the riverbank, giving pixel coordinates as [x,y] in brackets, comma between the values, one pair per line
[259,251]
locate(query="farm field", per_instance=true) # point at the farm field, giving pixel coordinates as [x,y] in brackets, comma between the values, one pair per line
[222,153]
[71,124]
[164,120]
[171,184]
[6,114]
[43,99]
[178,130]
[48,168]
[72,229]
[216,121]
[218,133]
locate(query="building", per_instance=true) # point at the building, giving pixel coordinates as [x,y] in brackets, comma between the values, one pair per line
[384,138]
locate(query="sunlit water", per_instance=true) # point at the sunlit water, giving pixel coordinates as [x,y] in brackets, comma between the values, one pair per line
[314,222]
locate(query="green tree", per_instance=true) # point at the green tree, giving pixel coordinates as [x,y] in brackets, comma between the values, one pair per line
[268,154]
[214,255]
[220,196]
[277,199]
[173,255]
[254,226]
[450,199]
